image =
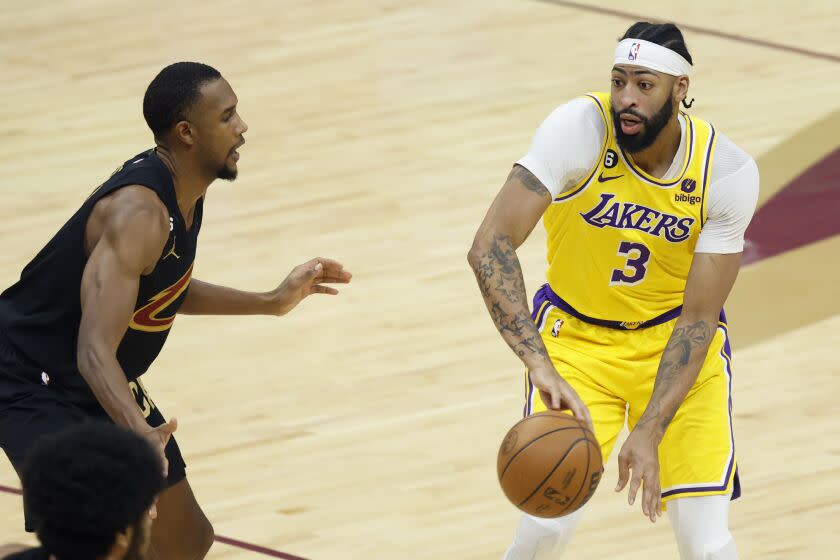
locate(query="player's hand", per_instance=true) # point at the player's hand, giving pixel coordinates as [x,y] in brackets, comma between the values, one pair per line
[305,279]
[557,394]
[640,454]
[158,438]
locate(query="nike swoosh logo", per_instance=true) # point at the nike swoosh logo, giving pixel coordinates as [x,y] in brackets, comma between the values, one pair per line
[602,179]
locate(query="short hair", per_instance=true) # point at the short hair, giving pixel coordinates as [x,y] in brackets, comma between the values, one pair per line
[666,34]
[85,484]
[173,92]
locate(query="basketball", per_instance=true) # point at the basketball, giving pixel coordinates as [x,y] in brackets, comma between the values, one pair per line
[549,464]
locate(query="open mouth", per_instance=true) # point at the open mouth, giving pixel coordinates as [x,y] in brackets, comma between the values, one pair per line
[234,153]
[630,124]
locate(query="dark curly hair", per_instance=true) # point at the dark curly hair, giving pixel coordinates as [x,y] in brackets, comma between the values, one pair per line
[173,91]
[666,34]
[85,484]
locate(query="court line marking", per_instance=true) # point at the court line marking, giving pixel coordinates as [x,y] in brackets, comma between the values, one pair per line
[696,29]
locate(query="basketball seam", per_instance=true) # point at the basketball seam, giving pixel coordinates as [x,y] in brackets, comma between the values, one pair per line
[526,446]
[551,472]
[585,476]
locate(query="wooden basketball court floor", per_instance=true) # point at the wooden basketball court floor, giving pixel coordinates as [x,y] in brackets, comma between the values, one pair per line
[366,426]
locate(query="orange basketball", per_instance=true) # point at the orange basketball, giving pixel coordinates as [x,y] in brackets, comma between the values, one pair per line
[549,464]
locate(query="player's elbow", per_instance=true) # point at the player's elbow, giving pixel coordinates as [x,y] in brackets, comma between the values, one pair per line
[480,246]
[85,357]
[489,241]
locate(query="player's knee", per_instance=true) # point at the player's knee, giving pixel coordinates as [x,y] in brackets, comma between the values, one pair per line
[192,544]
[542,539]
[726,551]
[204,539]
[701,525]
[705,548]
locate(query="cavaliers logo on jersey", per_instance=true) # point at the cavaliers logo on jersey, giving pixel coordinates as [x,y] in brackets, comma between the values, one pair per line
[147,317]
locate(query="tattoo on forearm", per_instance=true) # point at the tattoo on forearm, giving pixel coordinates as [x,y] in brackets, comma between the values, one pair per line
[684,341]
[505,323]
[529,180]
[531,344]
[499,271]
[499,276]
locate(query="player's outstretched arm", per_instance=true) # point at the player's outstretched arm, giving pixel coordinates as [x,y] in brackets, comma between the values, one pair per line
[709,282]
[519,205]
[125,236]
[306,279]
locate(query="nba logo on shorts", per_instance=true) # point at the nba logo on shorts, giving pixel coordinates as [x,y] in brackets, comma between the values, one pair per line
[556,329]
[634,51]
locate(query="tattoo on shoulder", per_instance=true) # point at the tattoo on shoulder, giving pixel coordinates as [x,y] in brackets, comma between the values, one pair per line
[529,180]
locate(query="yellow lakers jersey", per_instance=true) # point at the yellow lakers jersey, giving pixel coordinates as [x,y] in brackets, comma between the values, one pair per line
[621,242]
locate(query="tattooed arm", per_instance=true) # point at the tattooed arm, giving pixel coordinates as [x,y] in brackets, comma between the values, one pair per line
[709,281]
[511,218]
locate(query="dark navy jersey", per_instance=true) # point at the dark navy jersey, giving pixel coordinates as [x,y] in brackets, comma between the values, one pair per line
[41,313]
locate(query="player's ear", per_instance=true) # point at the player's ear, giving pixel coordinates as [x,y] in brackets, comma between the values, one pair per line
[184,132]
[680,89]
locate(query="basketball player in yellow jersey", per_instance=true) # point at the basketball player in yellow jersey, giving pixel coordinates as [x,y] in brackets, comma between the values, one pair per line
[645,209]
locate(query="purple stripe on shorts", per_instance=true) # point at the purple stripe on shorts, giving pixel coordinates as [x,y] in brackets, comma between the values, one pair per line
[525,406]
[727,353]
[538,314]
[526,411]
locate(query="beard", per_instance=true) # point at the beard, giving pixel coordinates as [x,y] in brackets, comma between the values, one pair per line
[226,173]
[651,127]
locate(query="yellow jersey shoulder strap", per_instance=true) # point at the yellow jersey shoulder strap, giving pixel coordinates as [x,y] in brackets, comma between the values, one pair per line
[706,141]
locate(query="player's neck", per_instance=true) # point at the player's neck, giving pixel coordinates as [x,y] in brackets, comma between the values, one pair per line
[190,183]
[656,159]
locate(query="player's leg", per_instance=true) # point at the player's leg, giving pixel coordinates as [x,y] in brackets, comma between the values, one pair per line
[537,538]
[18,386]
[701,526]
[181,530]
[27,413]
[542,539]
[698,469]
[565,337]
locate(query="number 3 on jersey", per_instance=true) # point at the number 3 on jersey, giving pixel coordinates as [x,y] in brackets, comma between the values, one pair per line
[635,268]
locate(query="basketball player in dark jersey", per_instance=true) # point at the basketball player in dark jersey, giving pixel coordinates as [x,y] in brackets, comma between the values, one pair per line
[92,310]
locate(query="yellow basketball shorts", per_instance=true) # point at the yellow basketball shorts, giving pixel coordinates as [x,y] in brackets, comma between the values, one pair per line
[613,371]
